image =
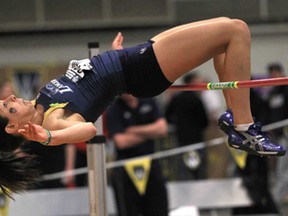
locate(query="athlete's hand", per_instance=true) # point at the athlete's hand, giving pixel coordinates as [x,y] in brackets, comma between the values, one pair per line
[117,42]
[34,132]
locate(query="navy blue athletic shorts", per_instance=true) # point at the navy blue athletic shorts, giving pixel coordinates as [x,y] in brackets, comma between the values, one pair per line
[142,73]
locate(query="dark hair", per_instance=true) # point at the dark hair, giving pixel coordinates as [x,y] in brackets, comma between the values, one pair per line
[17,173]
[275,67]
[8,142]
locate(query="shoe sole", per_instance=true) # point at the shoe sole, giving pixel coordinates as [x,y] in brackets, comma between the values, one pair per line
[247,149]
[258,153]
[224,127]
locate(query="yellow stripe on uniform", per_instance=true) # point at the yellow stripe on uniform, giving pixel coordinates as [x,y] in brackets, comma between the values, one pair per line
[53,106]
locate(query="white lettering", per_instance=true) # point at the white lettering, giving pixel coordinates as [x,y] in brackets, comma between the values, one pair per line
[61,88]
[64,89]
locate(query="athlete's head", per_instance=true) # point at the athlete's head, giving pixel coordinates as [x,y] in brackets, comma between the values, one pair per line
[17,111]
[17,173]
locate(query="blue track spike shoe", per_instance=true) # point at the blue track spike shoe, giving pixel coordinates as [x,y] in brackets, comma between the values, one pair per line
[225,122]
[253,141]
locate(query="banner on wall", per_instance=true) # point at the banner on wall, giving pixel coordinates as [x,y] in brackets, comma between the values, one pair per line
[26,80]
[26,83]
[139,170]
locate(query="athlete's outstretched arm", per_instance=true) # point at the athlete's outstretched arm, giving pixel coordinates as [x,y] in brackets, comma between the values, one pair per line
[76,133]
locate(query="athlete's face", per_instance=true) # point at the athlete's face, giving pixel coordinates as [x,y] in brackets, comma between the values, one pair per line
[17,110]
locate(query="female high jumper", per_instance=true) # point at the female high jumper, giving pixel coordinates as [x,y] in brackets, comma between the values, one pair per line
[66,107]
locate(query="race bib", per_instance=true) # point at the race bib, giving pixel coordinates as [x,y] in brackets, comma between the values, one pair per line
[76,69]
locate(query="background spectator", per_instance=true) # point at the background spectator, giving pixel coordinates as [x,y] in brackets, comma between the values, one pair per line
[187,112]
[133,124]
[278,105]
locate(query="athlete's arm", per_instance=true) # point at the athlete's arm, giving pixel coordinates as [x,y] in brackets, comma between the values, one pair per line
[74,133]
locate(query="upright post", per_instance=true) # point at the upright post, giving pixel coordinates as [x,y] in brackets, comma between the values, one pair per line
[96,162]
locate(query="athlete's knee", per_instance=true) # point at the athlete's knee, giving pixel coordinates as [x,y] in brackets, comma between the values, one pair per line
[223,19]
[241,28]
[234,24]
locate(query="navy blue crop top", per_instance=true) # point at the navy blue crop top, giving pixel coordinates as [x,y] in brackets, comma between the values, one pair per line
[86,88]
[89,86]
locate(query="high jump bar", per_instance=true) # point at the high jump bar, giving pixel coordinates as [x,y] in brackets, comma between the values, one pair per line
[231,85]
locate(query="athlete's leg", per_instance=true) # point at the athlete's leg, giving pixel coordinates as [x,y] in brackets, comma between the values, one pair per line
[227,41]
[181,27]
[219,62]
[183,48]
